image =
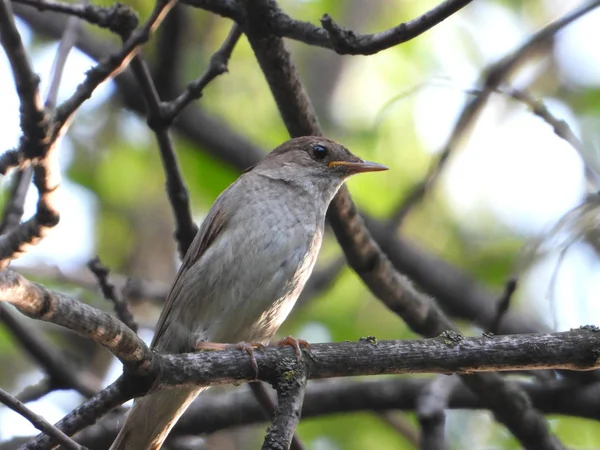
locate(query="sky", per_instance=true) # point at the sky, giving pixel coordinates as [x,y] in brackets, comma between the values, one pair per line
[545,173]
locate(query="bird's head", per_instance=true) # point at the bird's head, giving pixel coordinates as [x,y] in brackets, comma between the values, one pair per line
[314,160]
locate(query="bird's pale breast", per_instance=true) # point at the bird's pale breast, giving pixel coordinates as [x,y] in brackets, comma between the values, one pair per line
[246,283]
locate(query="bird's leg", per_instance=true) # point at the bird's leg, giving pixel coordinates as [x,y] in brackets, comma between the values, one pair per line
[297,345]
[247,346]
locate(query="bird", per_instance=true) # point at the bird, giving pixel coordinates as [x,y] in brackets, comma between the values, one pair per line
[245,268]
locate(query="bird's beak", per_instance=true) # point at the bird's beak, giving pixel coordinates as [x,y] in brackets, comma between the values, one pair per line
[358,166]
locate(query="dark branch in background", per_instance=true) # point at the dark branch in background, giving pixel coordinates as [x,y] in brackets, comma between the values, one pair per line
[347,396]
[503,304]
[402,425]
[171,44]
[347,42]
[110,293]
[290,386]
[37,421]
[13,209]
[496,74]
[364,255]
[61,372]
[431,412]
[36,391]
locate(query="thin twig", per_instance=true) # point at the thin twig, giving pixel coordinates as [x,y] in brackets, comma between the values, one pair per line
[494,76]
[36,391]
[347,42]
[110,293]
[217,66]
[13,209]
[86,414]
[39,422]
[185,228]
[504,303]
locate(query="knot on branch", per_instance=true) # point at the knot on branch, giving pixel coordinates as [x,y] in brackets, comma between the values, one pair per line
[343,40]
[10,159]
[119,18]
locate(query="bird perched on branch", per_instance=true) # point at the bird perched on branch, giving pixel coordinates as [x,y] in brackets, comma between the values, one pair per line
[245,268]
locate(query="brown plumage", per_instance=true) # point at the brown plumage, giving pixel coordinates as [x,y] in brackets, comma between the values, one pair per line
[245,268]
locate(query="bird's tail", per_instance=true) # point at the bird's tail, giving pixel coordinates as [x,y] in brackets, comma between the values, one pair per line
[152,417]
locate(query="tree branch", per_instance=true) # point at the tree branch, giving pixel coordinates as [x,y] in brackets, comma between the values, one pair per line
[118,18]
[431,412]
[347,42]
[110,293]
[37,302]
[290,386]
[37,421]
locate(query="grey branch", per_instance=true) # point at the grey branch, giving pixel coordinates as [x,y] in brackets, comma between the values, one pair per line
[431,412]
[239,408]
[37,302]
[39,422]
[290,386]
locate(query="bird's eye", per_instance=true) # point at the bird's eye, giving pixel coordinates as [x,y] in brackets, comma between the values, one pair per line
[319,152]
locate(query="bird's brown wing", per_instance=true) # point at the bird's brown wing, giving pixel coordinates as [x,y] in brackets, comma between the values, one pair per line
[212,226]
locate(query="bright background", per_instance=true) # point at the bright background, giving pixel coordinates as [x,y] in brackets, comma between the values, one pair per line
[511,181]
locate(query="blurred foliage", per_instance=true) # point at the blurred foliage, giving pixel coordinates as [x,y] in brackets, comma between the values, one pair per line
[361,103]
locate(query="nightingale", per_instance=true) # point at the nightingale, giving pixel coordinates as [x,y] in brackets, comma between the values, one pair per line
[245,268]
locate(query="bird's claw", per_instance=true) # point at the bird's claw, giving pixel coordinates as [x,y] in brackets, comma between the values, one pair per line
[246,346]
[296,344]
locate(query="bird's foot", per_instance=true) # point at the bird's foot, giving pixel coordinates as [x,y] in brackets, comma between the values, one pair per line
[247,346]
[297,345]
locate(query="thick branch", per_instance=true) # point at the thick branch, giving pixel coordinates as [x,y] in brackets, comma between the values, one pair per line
[290,386]
[239,408]
[37,302]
